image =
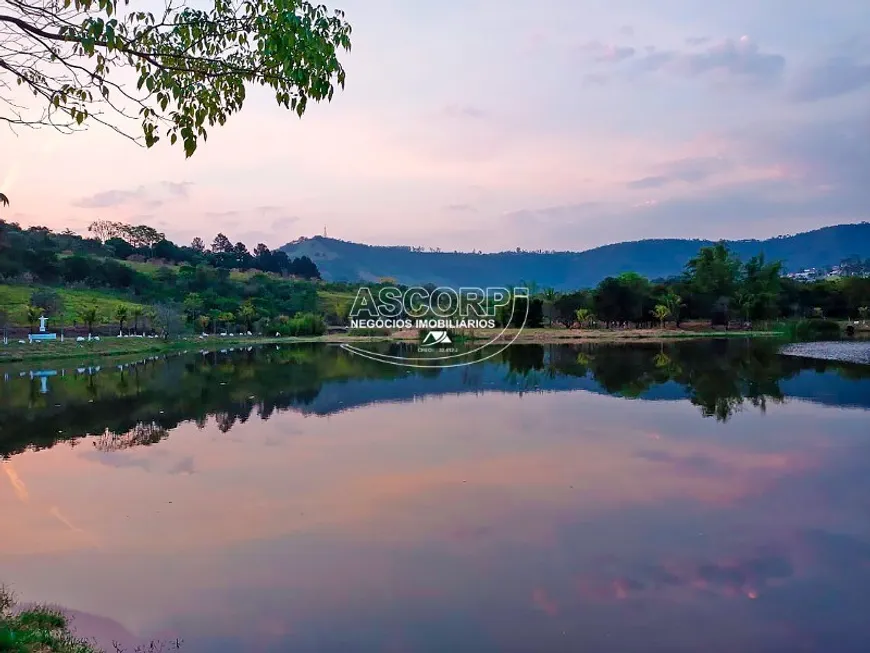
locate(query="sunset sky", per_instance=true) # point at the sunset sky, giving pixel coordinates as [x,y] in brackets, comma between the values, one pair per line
[479,124]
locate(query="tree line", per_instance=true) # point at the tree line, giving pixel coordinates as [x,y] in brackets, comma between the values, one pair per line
[716,286]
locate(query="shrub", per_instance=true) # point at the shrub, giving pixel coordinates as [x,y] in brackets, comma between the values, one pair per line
[304,324]
[813,329]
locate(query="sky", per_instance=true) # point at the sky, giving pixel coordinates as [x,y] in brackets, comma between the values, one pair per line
[487,125]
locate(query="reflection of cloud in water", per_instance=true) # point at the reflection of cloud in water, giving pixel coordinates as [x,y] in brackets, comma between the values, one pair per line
[544,602]
[17,484]
[20,490]
[151,461]
[747,577]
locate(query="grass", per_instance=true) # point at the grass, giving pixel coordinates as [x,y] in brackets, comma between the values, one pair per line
[113,346]
[330,302]
[43,629]
[37,630]
[16,298]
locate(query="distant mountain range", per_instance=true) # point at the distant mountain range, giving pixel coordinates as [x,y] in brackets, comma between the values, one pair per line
[340,260]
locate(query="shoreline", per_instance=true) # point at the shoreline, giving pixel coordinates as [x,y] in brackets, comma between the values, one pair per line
[114,346]
[856,352]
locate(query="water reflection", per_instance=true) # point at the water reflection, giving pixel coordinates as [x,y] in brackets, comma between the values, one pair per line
[558,499]
[159,393]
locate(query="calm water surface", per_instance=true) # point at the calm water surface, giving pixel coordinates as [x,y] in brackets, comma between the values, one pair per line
[700,497]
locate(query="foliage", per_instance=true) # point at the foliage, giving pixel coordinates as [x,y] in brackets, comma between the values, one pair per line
[584,316]
[43,629]
[192,64]
[812,329]
[520,312]
[168,318]
[121,315]
[50,301]
[33,315]
[661,312]
[306,324]
[89,316]
[15,299]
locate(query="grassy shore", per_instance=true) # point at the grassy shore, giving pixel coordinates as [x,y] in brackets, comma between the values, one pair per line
[36,630]
[113,346]
[44,629]
[605,336]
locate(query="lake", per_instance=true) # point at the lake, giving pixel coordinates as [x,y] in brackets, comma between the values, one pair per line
[700,496]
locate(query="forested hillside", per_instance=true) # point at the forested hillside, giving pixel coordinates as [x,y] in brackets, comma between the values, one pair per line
[661,258]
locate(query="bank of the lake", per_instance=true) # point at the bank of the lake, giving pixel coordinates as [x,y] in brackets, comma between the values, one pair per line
[613,336]
[841,351]
[116,346]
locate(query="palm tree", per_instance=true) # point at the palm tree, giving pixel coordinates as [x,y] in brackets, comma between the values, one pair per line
[674,303]
[745,302]
[33,315]
[227,318]
[4,201]
[247,314]
[550,295]
[531,286]
[136,314]
[121,316]
[661,313]
[89,317]
[584,315]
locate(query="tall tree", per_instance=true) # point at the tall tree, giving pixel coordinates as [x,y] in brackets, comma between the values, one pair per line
[661,313]
[136,314]
[247,314]
[760,288]
[89,316]
[106,229]
[121,314]
[33,314]
[713,276]
[192,64]
[221,245]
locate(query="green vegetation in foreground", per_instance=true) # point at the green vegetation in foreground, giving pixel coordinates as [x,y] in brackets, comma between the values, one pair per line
[37,630]
[42,629]
[122,346]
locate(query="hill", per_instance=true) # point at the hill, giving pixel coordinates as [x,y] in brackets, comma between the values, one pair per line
[340,260]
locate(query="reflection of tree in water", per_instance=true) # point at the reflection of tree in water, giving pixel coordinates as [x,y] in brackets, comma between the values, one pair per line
[143,434]
[225,421]
[146,400]
[721,380]
[526,367]
[718,376]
